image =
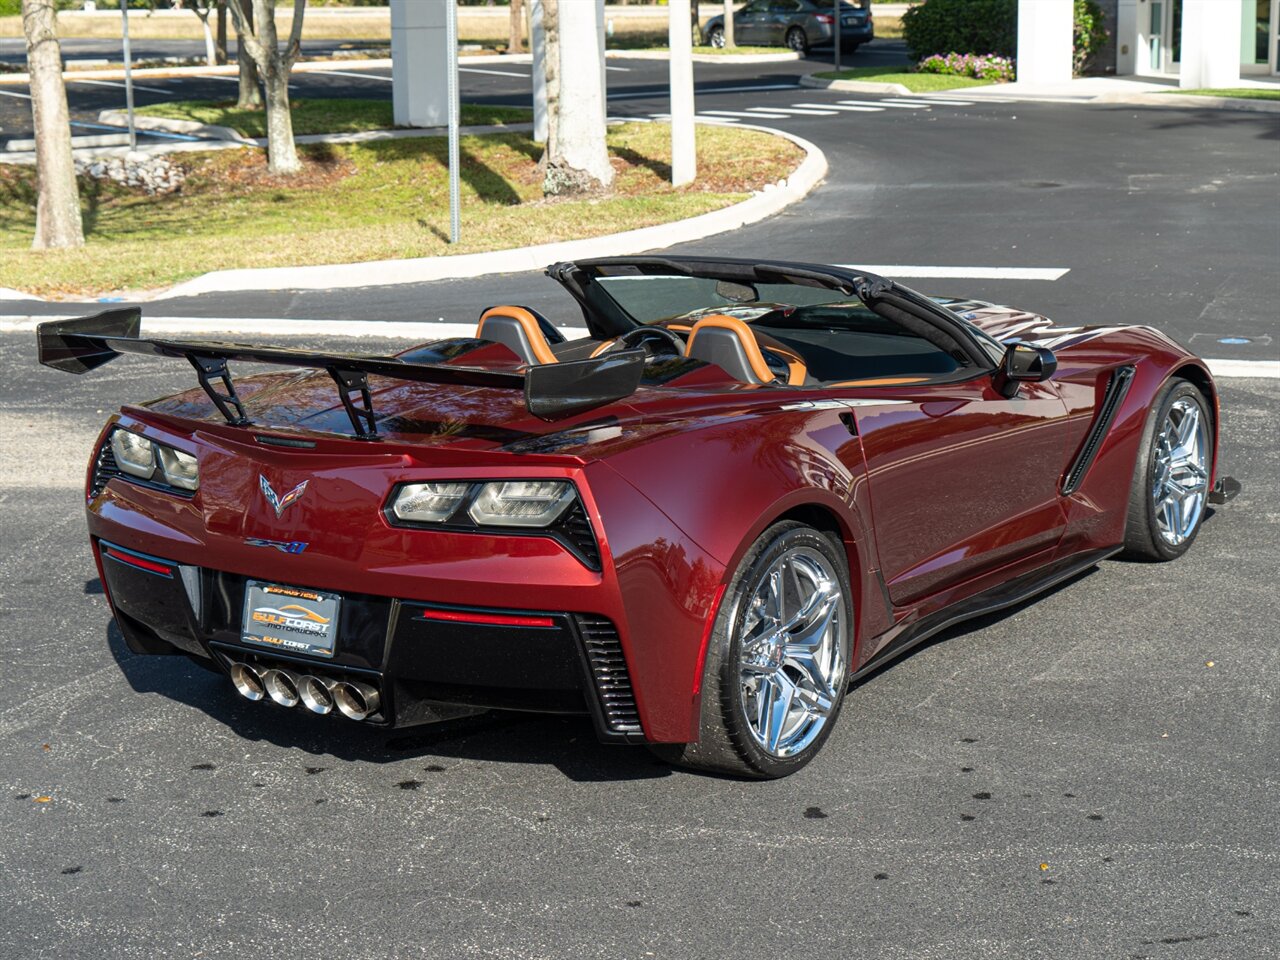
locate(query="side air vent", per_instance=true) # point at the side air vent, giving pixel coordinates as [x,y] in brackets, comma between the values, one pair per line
[609,671]
[104,469]
[575,528]
[1112,397]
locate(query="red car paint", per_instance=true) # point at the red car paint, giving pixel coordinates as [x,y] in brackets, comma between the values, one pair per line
[939,491]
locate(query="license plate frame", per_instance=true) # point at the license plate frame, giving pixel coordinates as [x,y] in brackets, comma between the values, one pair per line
[290,619]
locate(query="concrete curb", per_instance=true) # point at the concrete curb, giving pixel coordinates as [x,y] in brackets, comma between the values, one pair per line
[1184,100]
[425,269]
[28,158]
[704,57]
[120,118]
[854,86]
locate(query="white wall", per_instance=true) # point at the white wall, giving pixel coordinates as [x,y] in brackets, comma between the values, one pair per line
[419,64]
[1210,44]
[1044,41]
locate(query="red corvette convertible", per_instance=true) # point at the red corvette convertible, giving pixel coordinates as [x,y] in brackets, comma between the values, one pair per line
[751,482]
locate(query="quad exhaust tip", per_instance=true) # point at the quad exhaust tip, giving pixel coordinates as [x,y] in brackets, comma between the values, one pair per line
[352,698]
[282,687]
[248,681]
[317,693]
[355,700]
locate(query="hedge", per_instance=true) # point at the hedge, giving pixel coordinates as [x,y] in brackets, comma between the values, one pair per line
[940,27]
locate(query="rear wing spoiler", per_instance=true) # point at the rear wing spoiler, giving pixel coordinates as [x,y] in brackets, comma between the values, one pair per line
[551,390]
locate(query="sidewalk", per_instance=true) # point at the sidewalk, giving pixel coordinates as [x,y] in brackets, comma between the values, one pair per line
[1150,91]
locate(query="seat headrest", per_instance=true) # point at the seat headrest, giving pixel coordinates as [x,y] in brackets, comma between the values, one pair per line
[729,344]
[518,329]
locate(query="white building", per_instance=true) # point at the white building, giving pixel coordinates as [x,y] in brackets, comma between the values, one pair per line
[1208,39]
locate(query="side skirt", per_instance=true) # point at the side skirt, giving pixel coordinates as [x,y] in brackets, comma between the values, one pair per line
[989,601]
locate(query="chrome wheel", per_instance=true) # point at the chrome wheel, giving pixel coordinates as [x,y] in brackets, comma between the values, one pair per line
[791,661]
[1179,473]
[797,41]
[717,38]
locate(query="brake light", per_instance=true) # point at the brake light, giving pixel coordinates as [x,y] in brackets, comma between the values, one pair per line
[488,619]
[142,563]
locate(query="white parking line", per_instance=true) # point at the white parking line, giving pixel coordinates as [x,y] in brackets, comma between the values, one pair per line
[619,69]
[895,270]
[348,73]
[946,103]
[112,83]
[886,103]
[851,108]
[738,113]
[14,93]
[662,94]
[902,101]
[796,110]
[496,73]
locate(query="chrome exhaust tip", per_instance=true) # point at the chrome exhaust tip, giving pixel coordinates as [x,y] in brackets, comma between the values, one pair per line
[355,700]
[248,681]
[282,687]
[317,693]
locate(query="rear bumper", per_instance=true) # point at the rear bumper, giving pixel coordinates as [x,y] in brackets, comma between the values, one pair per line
[426,660]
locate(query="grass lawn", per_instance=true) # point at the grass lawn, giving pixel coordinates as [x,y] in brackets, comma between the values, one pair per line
[915,82]
[319,116]
[367,201]
[1243,93]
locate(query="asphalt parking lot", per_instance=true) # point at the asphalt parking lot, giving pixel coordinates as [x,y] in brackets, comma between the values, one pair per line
[1091,775]
[1121,732]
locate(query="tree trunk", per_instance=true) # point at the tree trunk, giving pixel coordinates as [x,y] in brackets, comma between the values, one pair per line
[250,97]
[577,157]
[220,44]
[263,44]
[210,49]
[515,38]
[282,153]
[551,74]
[728,24]
[57,196]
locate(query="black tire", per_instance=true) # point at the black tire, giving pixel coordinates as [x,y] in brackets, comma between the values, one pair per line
[726,744]
[1143,539]
[798,41]
[715,37]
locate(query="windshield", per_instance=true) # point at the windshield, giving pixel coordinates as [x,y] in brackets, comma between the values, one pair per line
[650,298]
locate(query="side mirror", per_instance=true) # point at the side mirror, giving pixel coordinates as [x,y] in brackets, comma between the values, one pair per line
[1023,363]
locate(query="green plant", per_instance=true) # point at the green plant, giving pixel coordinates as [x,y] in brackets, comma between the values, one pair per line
[961,26]
[1089,34]
[10,8]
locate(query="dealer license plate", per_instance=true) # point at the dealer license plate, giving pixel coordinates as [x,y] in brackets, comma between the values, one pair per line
[290,619]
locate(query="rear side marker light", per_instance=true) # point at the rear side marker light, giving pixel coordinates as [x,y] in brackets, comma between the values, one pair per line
[488,619]
[141,562]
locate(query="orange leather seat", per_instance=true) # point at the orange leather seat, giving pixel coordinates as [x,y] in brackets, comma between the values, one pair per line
[518,329]
[731,344]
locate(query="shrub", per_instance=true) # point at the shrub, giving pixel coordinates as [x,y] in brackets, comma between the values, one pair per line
[10,8]
[942,27]
[1089,34]
[990,67]
[967,26]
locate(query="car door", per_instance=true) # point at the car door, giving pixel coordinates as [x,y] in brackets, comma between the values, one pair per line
[963,480]
[783,14]
[749,23]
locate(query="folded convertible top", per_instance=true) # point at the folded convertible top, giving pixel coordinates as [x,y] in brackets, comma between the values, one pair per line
[551,390]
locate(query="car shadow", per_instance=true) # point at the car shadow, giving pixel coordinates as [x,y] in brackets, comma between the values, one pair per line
[567,743]
[970,626]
